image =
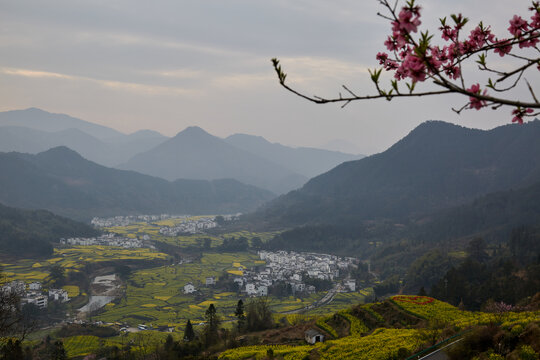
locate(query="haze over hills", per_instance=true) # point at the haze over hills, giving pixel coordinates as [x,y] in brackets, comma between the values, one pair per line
[34,130]
[38,119]
[60,180]
[21,139]
[195,154]
[306,161]
[436,166]
[249,159]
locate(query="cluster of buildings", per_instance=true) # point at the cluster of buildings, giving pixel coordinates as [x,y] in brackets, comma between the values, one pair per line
[190,226]
[33,293]
[293,269]
[131,219]
[108,240]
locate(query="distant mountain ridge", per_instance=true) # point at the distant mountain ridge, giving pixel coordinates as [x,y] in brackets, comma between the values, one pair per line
[34,130]
[249,159]
[306,161]
[38,119]
[436,166]
[195,154]
[60,180]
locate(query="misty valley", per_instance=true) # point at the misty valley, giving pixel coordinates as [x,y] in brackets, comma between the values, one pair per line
[143,246]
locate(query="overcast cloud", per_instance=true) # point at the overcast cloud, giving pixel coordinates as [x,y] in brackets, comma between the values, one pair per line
[166,65]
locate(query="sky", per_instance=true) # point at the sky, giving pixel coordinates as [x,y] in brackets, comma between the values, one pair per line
[167,65]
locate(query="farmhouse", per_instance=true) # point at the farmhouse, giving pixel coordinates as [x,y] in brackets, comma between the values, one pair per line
[312,336]
[59,294]
[34,286]
[189,288]
[35,298]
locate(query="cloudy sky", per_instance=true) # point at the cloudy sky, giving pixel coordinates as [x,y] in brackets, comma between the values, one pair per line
[166,65]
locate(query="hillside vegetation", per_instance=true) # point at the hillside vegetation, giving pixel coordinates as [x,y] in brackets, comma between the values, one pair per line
[437,166]
[60,180]
[30,233]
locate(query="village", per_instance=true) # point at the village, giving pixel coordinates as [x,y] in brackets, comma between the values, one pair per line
[189,226]
[109,240]
[195,222]
[131,219]
[294,270]
[33,293]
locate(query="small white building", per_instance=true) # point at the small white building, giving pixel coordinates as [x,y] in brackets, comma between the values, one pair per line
[37,299]
[262,290]
[351,284]
[189,288]
[312,336]
[34,286]
[210,281]
[58,295]
[15,287]
[250,289]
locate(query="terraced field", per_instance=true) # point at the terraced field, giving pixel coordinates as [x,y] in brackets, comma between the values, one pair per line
[152,229]
[155,296]
[73,259]
[377,341]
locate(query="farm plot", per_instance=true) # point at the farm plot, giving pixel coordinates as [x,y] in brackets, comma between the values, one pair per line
[73,259]
[197,240]
[155,296]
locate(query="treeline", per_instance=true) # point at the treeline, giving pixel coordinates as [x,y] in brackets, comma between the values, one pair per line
[29,233]
[346,239]
[508,272]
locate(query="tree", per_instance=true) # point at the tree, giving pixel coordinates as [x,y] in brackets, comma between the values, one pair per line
[476,249]
[57,274]
[212,325]
[14,322]
[415,59]
[259,316]
[240,315]
[189,334]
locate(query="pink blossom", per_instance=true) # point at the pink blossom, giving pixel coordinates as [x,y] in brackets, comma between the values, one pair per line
[517,26]
[475,103]
[453,71]
[531,42]
[479,37]
[390,44]
[535,20]
[408,21]
[414,67]
[382,57]
[503,47]
[447,33]
[520,113]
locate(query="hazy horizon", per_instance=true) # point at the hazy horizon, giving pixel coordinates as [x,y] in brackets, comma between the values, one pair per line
[170,65]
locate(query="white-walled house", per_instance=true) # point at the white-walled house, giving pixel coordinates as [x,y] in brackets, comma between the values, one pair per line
[58,295]
[351,284]
[262,290]
[34,286]
[250,289]
[189,288]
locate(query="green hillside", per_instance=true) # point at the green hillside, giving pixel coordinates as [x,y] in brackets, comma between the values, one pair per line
[29,233]
[60,180]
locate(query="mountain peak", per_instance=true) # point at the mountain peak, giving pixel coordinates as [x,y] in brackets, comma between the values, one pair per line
[192,131]
[60,153]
